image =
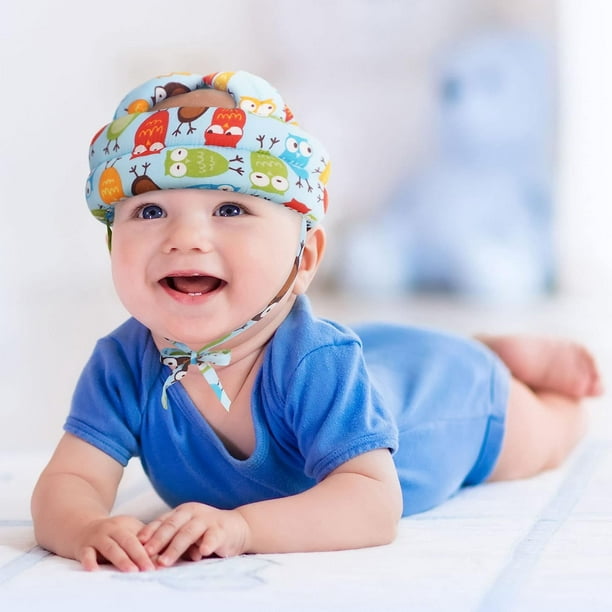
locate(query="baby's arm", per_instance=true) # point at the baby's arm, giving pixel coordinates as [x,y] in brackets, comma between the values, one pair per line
[71,505]
[357,505]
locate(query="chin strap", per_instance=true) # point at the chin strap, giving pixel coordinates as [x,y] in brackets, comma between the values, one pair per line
[179,357]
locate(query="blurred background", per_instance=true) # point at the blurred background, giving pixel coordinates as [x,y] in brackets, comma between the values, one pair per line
[469,142]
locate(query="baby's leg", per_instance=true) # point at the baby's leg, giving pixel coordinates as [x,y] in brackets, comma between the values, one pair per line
[545,419]
[541,430]
[548,364]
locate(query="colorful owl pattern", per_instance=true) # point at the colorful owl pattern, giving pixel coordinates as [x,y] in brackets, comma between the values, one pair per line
[255,148]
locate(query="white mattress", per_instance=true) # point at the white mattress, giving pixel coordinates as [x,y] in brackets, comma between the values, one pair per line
[538,544]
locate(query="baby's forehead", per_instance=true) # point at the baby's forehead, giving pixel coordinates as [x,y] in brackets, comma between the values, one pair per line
[198,97]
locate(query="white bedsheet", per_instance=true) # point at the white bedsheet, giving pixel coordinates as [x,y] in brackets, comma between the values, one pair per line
[538,544]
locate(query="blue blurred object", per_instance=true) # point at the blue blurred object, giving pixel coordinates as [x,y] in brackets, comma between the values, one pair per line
[478,221]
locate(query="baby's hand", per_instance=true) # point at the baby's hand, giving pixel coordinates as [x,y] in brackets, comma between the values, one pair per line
[195,531]
[114,539]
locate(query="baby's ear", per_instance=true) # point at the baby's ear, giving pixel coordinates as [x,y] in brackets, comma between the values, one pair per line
[314,248]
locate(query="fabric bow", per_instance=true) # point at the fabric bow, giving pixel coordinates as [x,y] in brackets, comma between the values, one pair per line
[180,357]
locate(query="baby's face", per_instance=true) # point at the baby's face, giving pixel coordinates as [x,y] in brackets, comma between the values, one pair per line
[195,264]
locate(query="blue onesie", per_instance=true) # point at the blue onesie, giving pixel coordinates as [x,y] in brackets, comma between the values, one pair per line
[324,395]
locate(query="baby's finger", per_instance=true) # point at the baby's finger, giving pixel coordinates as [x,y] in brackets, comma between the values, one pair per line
[211,542]
[138,555]
[185,537]
[164,531]
[126,554]
[145,534]
[89,559]
[193,553]
[116,555]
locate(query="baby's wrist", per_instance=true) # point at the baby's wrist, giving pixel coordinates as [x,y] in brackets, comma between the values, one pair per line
[245,545]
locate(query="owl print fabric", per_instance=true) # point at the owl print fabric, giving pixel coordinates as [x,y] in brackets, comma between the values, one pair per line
[255,148]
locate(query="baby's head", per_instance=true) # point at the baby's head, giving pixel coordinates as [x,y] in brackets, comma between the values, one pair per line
[228,131]
[188,140]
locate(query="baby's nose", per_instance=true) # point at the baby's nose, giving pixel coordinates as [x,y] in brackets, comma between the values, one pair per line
[190,233]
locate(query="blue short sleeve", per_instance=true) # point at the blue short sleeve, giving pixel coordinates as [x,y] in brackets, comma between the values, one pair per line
[337,414]
[105,409]
[329,406]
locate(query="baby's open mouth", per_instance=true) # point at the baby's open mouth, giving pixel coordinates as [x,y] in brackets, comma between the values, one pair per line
[193,284]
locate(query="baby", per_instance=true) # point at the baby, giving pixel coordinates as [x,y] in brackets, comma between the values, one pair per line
[264,428]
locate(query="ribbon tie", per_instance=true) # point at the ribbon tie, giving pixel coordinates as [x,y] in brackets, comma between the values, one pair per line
[180,357]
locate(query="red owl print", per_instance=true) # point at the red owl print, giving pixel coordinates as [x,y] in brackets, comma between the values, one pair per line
[150,137]
[226,127]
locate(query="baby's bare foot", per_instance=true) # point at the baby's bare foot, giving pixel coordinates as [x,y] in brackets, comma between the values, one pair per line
[548,364]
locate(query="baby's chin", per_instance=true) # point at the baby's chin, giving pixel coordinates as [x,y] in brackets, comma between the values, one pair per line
[252,331]
[166,339]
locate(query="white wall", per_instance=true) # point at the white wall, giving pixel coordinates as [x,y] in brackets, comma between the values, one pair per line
[66,64]
[585,207]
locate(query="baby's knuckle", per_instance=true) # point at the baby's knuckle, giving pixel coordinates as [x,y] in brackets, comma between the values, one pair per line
[125,540]
[191,530]
[108,548]
[171,525]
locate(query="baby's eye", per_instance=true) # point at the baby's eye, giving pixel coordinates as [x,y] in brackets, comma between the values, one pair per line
[229,209]
[151,211]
